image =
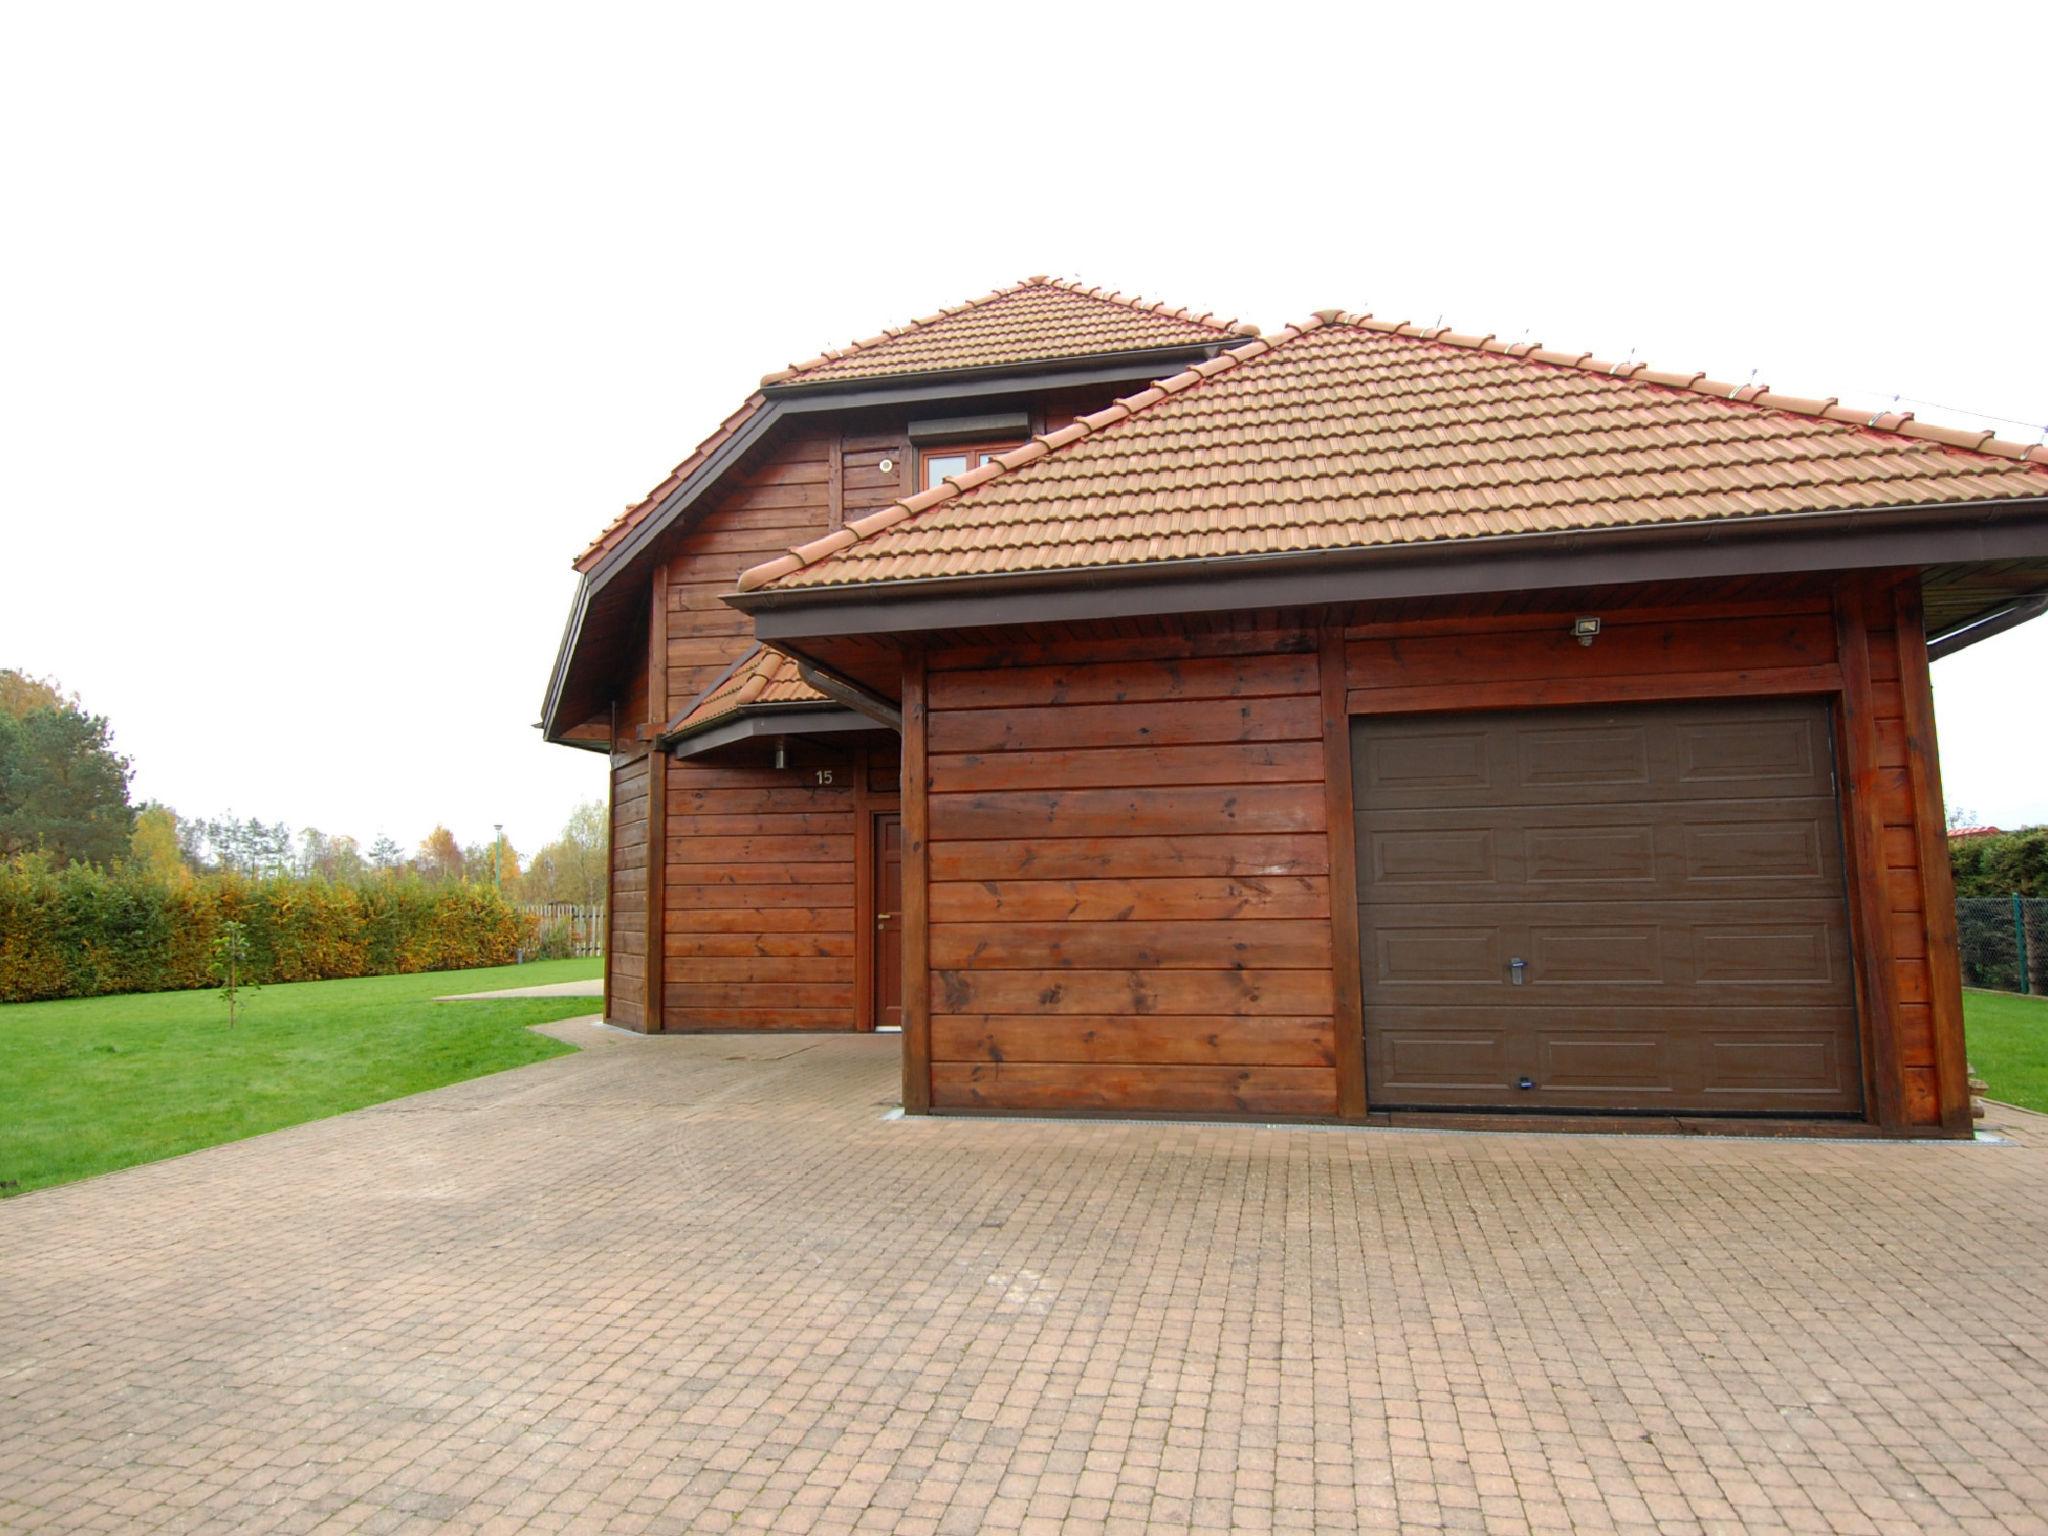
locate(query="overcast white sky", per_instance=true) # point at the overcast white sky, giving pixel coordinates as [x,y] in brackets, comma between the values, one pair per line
[330,335]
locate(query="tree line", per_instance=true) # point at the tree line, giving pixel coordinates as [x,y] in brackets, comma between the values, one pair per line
[98,895]
[64,799]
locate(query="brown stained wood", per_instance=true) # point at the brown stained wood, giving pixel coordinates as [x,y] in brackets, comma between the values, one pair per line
[917,877]
[1891,741]
[700,896]
[1220,1090]
[744,875]
[1861,789]
[1346,979]
[835,480]
[657,649]
[626,948]
[1899,846]
[836,996]
[1269,944]
[1049,649]
[1942,948]
[768,846]
[1660,648]
[837,822]
[770,970]
[1515,693]
[756,920]
[687,798]
[1132,991]
[863,947]
[1117,900]
[1552,611]
[1117,725]
[1916,1035]
[1082,858]
[1128,812]
[657,821]
[1217,1040]
[1125,682]
[742,945]
[1265,762]
[683,1019]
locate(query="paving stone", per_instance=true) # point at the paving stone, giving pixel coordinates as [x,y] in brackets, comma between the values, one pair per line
[701,1284]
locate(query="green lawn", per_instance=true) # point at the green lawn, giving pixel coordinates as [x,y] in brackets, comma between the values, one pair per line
[88,1085]
[2009,1045]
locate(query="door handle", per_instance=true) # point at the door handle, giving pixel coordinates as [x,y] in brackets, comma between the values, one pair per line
[882,919]
[1517,970]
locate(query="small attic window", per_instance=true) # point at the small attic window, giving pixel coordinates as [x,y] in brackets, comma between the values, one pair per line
[935,464]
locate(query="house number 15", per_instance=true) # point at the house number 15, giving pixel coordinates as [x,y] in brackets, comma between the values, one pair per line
[824,775]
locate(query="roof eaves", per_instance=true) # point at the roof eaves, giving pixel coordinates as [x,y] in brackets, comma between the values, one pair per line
[1899,423]
[622,525]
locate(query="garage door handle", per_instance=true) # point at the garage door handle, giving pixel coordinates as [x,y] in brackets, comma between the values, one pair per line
[1517,967]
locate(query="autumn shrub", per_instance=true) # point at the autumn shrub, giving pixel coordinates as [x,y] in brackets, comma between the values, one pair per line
[85,932]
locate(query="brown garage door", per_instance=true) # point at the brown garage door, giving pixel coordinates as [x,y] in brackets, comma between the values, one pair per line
[1633,908]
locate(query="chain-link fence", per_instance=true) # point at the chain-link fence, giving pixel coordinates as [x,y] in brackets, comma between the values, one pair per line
[2004,942]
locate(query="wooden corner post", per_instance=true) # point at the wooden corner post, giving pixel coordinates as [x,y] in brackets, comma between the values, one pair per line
[1347,980]
[1857,749]
[1937,879]
[917,938]
[654,1010]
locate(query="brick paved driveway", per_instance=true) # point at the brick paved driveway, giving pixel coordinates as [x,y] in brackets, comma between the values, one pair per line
[700,1284]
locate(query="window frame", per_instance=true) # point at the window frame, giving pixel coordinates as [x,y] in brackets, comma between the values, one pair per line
[976,454]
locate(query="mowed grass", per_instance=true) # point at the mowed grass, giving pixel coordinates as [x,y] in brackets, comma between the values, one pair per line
[2008,1037]
[88,1085]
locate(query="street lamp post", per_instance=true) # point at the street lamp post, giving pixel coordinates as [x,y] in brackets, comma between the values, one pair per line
[498,856]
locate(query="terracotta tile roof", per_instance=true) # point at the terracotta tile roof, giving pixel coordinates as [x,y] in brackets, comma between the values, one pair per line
[1347,432]
[1037,320]
[624,523]
[766,677]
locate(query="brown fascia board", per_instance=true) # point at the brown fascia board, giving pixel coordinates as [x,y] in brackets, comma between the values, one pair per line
[756,720]
[785,401]
[1780,543]
[1128,363]
[1961,636]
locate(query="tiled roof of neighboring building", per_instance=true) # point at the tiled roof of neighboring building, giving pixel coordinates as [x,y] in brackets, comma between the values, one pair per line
[1038,320]
[1348,432]
[765,677]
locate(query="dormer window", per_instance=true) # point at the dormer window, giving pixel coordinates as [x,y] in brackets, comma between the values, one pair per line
[935,464]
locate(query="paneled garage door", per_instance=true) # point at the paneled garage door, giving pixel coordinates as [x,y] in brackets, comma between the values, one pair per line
[1635,908]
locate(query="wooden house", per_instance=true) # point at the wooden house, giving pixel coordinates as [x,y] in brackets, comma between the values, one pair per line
[1365,721]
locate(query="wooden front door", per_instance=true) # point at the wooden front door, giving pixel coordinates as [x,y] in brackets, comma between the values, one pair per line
[1633,908]
[888,934]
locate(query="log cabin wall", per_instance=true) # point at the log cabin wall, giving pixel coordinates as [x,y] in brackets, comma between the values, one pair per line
[626,922]
[761,911]
[1138,868]
[1129,877]
[801,489]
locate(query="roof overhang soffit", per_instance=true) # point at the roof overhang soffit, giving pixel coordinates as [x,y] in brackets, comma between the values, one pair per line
[633,553]
[1893,537]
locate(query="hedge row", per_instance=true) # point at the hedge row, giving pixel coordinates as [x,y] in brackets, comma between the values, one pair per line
[85,932]
[2004,864]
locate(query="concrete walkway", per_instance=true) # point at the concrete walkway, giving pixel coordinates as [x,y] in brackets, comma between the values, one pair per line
[594,987]
[697,1284]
